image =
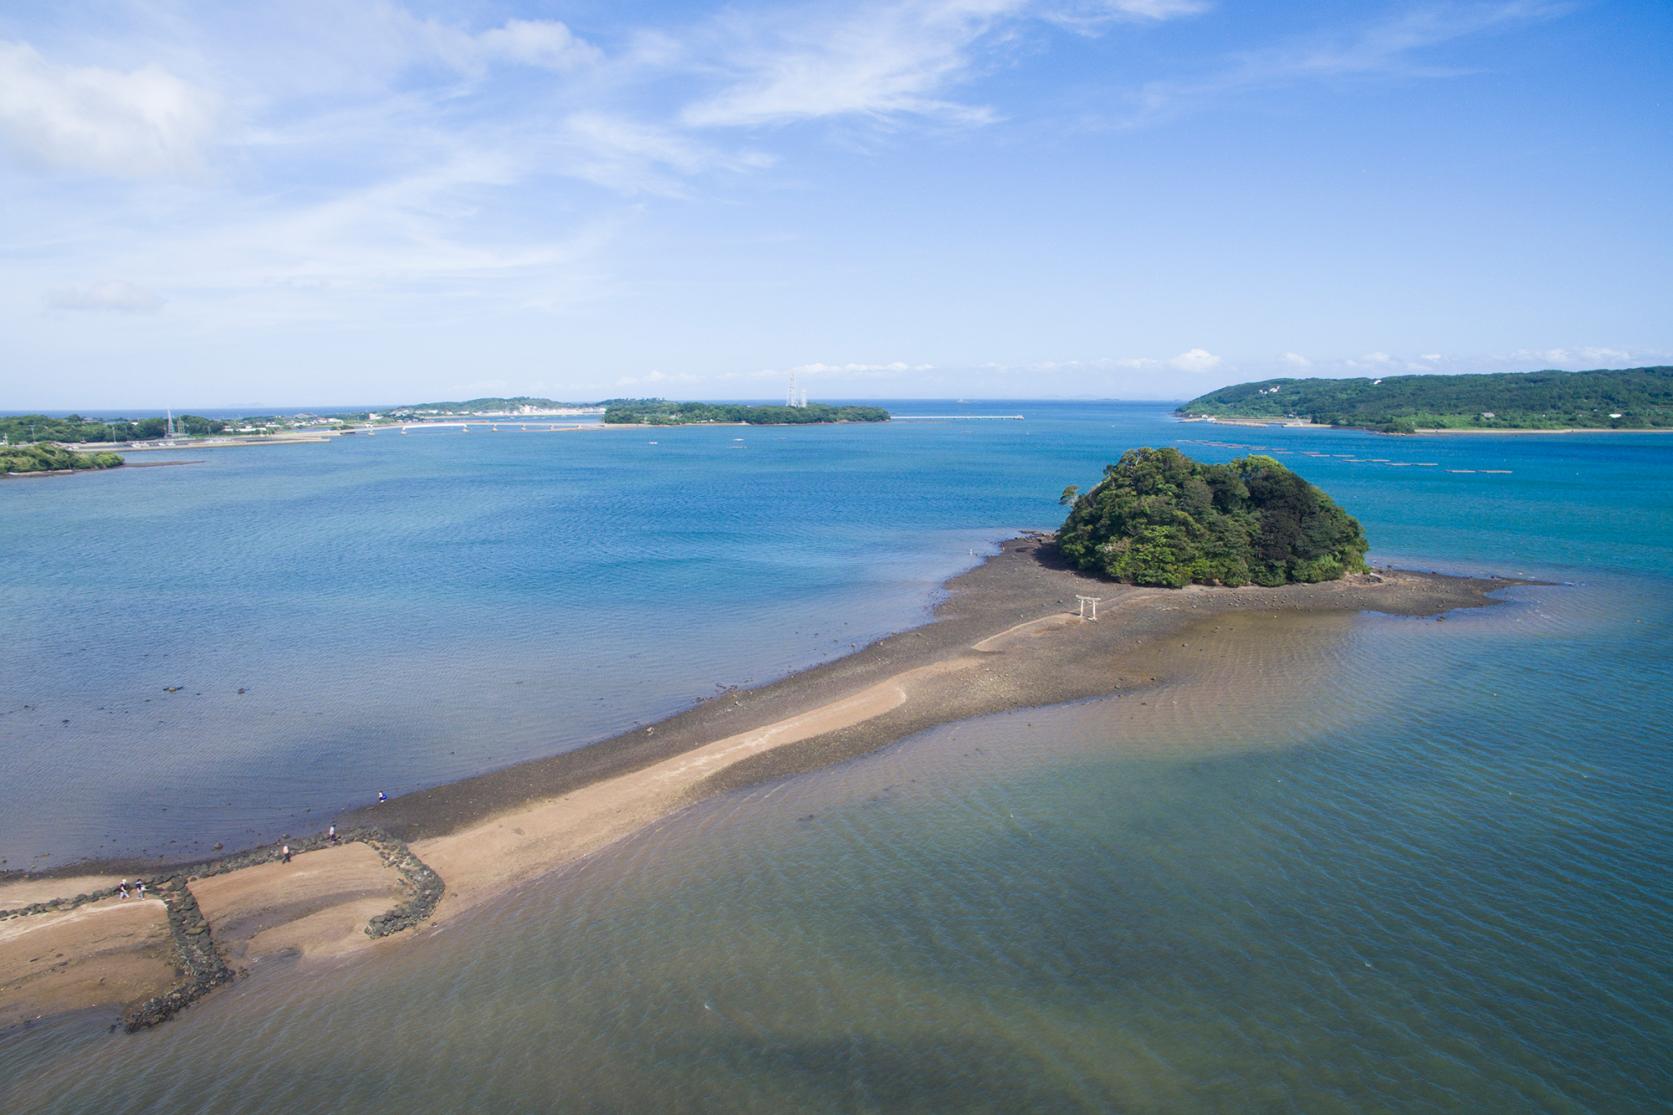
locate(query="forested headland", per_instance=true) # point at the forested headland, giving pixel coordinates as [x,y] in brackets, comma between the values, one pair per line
[1160,518]
[21,459]
[661,412]
[1624,399]
[16,428]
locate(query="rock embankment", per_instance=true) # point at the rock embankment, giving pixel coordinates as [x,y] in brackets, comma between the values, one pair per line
[426,886]
[199,963]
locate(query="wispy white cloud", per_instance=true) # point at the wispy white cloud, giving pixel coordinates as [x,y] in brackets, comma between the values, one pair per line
[1191,360]
[885,61]
[880,60]
[107,297]
[1092,15]
[892,368]
[127,123]
[1394,46]
[1379,363]
[634,156]
[538,42]
[896,370]
[1195,360]
[1591,355]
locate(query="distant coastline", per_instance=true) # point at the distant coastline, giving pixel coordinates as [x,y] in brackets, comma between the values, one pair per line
[1297,424]
[1605,399]
[1006,636]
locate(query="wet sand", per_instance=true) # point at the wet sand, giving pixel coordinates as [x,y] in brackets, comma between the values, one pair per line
[102,954]
[316,906]
[1004,637]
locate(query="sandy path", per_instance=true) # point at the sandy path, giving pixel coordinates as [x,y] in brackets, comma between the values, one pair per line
[18,893]
[104,953]
[317,905]
[1027,629]
[1004,638]
[522,843]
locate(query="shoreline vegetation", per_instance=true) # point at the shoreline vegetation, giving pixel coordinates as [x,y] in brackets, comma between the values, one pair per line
[1005,636]
[1160,518]
[661,412]
[45,459]
[23,433]
[1626,400]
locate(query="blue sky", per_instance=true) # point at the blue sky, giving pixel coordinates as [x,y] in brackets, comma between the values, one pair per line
[312,202]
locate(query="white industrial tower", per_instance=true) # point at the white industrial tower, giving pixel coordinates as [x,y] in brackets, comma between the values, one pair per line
[797,396]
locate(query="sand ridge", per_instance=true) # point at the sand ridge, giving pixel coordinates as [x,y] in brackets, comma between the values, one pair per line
[1003,638]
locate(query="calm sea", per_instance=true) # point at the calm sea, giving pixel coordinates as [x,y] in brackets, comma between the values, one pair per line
[1369,864]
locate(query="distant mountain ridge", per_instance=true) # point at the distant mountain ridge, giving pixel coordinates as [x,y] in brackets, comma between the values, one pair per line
[1625,398]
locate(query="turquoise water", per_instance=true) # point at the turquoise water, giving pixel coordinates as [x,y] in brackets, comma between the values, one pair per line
[1390,864]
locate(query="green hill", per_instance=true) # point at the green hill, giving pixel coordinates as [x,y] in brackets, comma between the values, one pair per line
[1628,399]
[1160,518]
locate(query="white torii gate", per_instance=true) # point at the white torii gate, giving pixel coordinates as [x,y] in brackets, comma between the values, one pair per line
[1092,600]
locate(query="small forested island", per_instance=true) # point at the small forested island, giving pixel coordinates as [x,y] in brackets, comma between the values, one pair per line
[1620,399]
[1160,518]
[661,412]
[20,460]
[491,406]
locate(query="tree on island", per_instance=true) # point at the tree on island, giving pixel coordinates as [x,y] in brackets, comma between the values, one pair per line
[1160,518]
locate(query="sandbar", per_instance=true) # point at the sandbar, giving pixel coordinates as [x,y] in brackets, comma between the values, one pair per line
[102,954]
[1005,635]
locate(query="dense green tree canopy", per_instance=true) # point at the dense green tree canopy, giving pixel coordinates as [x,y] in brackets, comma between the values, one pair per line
[51,458]
[19,428]
[1160,518]
[1625,398]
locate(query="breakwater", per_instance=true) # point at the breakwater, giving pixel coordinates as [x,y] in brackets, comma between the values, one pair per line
[199,962]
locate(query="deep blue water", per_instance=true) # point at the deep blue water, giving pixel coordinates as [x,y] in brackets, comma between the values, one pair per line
[1388,864]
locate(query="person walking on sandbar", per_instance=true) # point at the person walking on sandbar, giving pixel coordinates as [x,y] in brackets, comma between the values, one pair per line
[331,834]
[285,852]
